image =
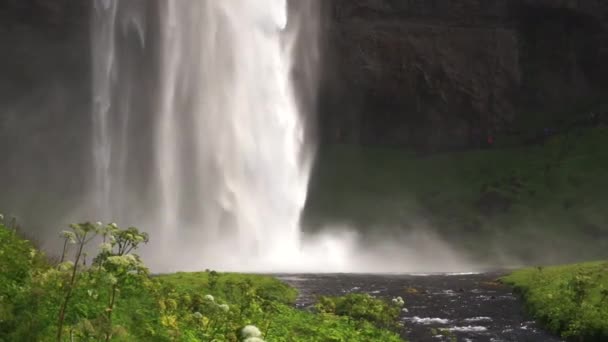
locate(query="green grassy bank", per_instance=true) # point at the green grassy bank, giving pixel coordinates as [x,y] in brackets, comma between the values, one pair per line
[540,202]
[109,295]
[571,300]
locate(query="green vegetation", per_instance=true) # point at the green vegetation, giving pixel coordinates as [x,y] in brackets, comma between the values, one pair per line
[112,297]
[568,300]
[363,308]
[534,199]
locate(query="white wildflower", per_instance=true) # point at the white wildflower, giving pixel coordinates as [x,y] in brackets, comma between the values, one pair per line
[111,279]
[117,260]
[250,331]
[99,223]
[253,339]
[114,225]
[105,247]
[70,236]
[131,259]
[65,266]
[198,315]
[209,298]
[398,301]
[224,307]
[128,260]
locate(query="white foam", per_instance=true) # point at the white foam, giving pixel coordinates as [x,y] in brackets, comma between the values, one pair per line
[468,328]
[479,319]
[428,320]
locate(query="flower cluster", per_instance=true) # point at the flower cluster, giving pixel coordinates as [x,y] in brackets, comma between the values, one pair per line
[68,235]
[223,307]
[251,333]
[105,247]
[398,301]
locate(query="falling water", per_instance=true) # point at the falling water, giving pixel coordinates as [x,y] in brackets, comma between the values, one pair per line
[113,74]
[230,138]
[200,138]
[103,63]
[224,181]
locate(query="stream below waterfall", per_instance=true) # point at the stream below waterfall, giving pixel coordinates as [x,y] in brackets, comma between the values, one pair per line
[439,307]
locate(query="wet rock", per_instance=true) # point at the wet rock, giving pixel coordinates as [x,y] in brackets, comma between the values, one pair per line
[446,74]
[437,74]
[412,290]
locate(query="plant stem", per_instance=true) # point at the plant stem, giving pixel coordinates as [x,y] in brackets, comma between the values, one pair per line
[110,309]
[65,247]
[68,295]
[267,329]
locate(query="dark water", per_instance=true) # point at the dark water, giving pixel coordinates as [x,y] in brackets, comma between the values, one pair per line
[472,307]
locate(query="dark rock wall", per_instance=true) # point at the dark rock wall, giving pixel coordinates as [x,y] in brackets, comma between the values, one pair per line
[44,103]
[445,74]
[428,74]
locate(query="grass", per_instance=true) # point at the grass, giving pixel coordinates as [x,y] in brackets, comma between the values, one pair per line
[549,196]
[119,301]
[280,320]
[267,287]
[570,300]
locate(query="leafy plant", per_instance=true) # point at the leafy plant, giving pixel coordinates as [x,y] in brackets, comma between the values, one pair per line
[569,300]
[80,235]
[114,298]
[363,307]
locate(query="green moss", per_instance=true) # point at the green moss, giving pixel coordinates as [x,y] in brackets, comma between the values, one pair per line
[569,300]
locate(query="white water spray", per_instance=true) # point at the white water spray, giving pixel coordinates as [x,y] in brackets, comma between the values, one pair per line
[228,115]
[199,139]
[228,171]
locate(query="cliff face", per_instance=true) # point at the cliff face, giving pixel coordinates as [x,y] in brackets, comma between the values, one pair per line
[43,40]
[445,74]
[44,101]
[428,74]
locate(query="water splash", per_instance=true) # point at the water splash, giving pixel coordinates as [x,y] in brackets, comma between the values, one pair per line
[229,167]
[200,138]
[227,99]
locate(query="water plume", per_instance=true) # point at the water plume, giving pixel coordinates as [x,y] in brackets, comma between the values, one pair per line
[227,168]
[201,138]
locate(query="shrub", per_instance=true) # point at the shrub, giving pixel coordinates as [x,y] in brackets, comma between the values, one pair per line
[363,307]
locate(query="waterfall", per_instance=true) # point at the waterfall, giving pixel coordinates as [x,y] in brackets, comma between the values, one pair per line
[200,138]
[218,173]
[113,78]
[103,54]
